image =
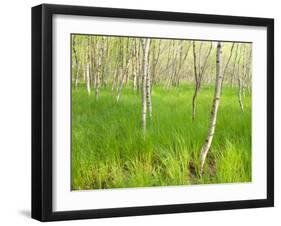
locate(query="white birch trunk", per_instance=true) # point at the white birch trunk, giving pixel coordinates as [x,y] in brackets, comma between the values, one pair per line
[134,65]
[206,147]
[148,94]
[84,63]
[139,68]
[134,79]
[97,84]
[88,85]
[240,93]
[122,80]
[99,74]
[76,63]
[234,64]
[145,45]
[88,78]
[240,83]
[120,86]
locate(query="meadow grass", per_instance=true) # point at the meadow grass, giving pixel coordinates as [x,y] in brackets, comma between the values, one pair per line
[110,151]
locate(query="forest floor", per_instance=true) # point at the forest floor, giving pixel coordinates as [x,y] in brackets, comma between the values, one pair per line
[109,150]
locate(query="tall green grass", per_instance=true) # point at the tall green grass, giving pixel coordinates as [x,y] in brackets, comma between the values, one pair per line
[110,151]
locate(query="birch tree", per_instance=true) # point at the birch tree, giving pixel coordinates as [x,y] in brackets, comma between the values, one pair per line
[76,62]
[117,65]
[227,63]
[88,67]
[234,64]
[145,46]
[125,70]
[121,76]
[181,60]
[248,76]
[199,70]
[155,59]
[212,124]
[148,84]
[134,65]
[139,67]
[171,48]
[99,72]
[93,62]
[240,83]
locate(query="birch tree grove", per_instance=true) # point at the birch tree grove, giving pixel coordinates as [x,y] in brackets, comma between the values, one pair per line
[163,89]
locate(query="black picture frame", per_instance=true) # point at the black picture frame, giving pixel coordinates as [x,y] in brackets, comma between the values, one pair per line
[42,111]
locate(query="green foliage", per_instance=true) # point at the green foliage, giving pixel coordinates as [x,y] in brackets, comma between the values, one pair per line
[109,150]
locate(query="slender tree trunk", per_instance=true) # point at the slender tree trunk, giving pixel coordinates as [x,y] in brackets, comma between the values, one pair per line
[76,62]
[84,62]
[123,78]
[125,72]
[148,95]
[194,101]
[199,71]
[100,68]
[153,64]
[128,56]
[88,78]
[97,85]
[148,84]
[134,65]
[139,66]
[206,147]
[134,83]
[240,93]
[117,65]
[204,67]
[234,63]
[120,76]
[121,82]
[83,54]
[240,84]
[156,61]
[181,62]
[88,69]
[145,45]
[226,66]
[115,74]
[248,72]
[171,46]
[176,63]
[196,77]
[105,63]
[246,62]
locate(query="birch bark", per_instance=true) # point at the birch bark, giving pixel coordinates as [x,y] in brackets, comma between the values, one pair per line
[240,83]
[88,68]
[145,45]
[212,126]
[76,63]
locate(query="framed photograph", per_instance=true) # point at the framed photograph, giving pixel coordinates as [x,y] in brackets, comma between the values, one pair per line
[145,112]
